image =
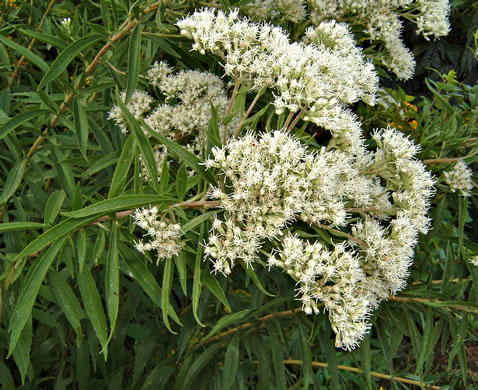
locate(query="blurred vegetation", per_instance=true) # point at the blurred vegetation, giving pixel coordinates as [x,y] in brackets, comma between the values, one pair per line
[65,171]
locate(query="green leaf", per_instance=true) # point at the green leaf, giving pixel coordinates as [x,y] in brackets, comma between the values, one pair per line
[94,308]
[199,363]
[19,120]
[163,44]
[123,202]
[81,249]
[141,274]
[213,285]
[65,57]
[180,261]
[81,125]
[231,363]
[122,168]
[33,58]
[6,378]
[197,285]
[227,320]
[47,38]
[112,278]
[68,301]
[167,283]
[57,231]
[82,365]
[181,182]
[252,274]
[142,142]
[13,181]
[164,180]
[29,291]
[101,164]
[133,61]
[21,354]
[183,154]
[365,361]
[53,206]
[12,226]
[99,245]
[196,221]
[145,279]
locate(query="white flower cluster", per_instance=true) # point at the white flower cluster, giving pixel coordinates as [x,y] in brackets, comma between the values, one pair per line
[474,261]
[293,10]
[186,110]
[163,237]
[381,21]
[459,178]
[272,181]
[314,78]
[139,103]
[194,92]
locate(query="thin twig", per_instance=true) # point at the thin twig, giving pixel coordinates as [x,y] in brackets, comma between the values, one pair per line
[295,121]
[22,58]
[359,371]
[233,97]
[197,204]
[246,326]
[247,114]
[442,161]
[287,121]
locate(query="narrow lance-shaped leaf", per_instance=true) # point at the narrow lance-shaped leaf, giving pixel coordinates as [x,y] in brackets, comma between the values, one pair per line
[94,308]
[124,202]
[231,363]
[68,301]
[227,320]
[167,283]
[21,354]
[57,231]
[112,278]
[81,125]
[81,249]
[13,181]
[133,61]
[53,206]
[12,226]
[33,58]
[142,142]
[19,120]
[66,56]
[199,364]
[183,154]
[197,285]
[122,168]
[29,291]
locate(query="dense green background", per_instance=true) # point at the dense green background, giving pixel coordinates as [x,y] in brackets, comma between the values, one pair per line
[81,308]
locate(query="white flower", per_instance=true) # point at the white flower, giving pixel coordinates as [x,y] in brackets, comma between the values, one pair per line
[316,77]
[459,178]
[272,180]
[381,21]
[163,237]
[138,105]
